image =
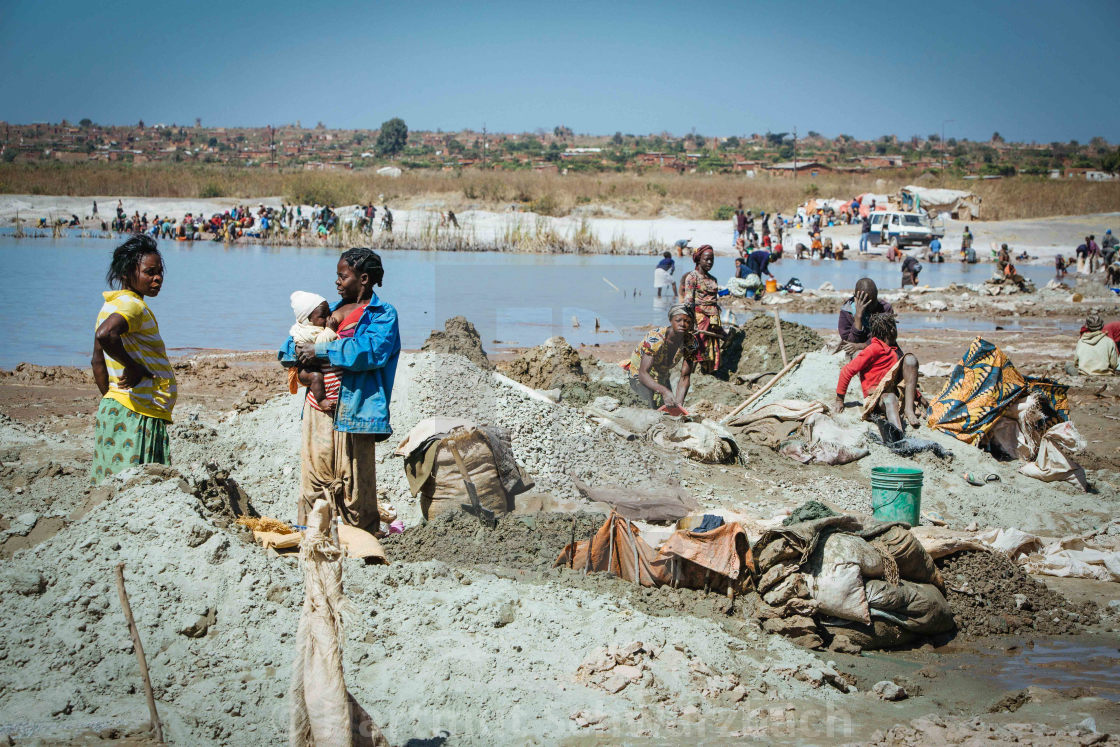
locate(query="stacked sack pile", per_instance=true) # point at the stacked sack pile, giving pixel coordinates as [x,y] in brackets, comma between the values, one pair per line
[849,583]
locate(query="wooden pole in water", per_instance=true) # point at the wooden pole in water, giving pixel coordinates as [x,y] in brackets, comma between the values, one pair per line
[781,340]
[157,727]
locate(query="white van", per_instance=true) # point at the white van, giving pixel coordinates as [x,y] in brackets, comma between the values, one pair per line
[903,229]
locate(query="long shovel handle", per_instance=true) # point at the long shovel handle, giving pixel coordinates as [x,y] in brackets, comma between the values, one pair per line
[485,516]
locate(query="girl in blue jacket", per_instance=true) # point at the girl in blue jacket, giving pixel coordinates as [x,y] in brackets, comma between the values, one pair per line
[337,454]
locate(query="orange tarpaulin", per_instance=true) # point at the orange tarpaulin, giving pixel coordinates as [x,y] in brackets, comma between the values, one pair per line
[713,559]
[616,548]
[724,550]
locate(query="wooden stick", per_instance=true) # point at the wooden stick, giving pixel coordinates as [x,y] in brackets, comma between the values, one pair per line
[527,391]
[157,727]
[754,397]
[781,340]
[610,552]
[590,545]
[572,557]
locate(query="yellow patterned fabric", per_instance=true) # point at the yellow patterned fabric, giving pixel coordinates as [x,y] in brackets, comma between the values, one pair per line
[655,348]
[981,387]
[154,397]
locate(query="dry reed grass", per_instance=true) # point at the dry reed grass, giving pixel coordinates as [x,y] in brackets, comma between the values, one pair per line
[623,194]
[520,233]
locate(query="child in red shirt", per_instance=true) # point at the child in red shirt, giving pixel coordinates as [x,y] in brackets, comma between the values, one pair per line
[881,367]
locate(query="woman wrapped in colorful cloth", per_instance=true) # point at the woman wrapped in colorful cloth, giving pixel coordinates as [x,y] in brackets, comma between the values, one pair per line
[699,289]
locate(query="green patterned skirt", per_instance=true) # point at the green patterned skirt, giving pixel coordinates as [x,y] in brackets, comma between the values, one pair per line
[126,439]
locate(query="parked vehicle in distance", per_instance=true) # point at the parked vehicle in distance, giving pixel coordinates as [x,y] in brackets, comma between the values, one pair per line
[904,229]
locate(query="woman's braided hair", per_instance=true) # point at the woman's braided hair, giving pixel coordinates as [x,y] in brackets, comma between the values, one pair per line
[882,325]
[364,260]
[126,258]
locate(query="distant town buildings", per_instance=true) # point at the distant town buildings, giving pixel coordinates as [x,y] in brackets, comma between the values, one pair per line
[559,150]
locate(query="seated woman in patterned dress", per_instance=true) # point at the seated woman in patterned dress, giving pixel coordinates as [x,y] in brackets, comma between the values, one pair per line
[652,364]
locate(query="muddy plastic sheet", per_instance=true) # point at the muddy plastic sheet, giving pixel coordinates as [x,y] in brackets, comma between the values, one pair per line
[1095,555]
[669,503]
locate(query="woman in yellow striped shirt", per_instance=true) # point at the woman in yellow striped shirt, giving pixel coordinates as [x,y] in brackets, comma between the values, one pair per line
[130,365]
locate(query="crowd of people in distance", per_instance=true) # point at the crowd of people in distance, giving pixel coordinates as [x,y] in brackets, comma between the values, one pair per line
[287,221]
[1091,257]
[867,326]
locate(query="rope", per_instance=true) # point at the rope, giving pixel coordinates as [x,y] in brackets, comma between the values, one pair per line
[890,566]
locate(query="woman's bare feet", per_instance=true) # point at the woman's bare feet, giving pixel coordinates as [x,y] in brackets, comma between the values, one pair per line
[913,420]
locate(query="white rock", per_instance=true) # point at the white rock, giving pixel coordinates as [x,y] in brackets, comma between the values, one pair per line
[609,404]
[888,690]
[23,524]
[615,683]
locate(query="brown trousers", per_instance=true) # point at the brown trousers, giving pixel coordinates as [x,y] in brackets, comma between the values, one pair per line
[338,466]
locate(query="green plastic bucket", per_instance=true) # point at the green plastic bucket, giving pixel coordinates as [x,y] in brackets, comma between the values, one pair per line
[896,494]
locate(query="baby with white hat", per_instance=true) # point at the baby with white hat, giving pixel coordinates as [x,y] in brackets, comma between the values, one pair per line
[314,324]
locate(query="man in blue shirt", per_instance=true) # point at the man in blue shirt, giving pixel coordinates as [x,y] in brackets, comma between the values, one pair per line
[935,251]
[663,274]
[758,262]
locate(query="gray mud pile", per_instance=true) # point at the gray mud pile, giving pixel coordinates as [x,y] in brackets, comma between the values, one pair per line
[430,648]
[460,337]
[557,365]
[580,393]
[44,480]
[216,621]
[753,347]
[547,366]
[529,542]
[554,443]
[532,542]
[990,595]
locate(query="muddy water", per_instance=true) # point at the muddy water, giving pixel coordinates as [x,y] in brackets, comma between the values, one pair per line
[1075,666]
[1055,664]
[237,297]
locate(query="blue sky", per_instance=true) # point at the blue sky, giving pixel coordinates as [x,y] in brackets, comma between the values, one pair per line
[1030,70]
